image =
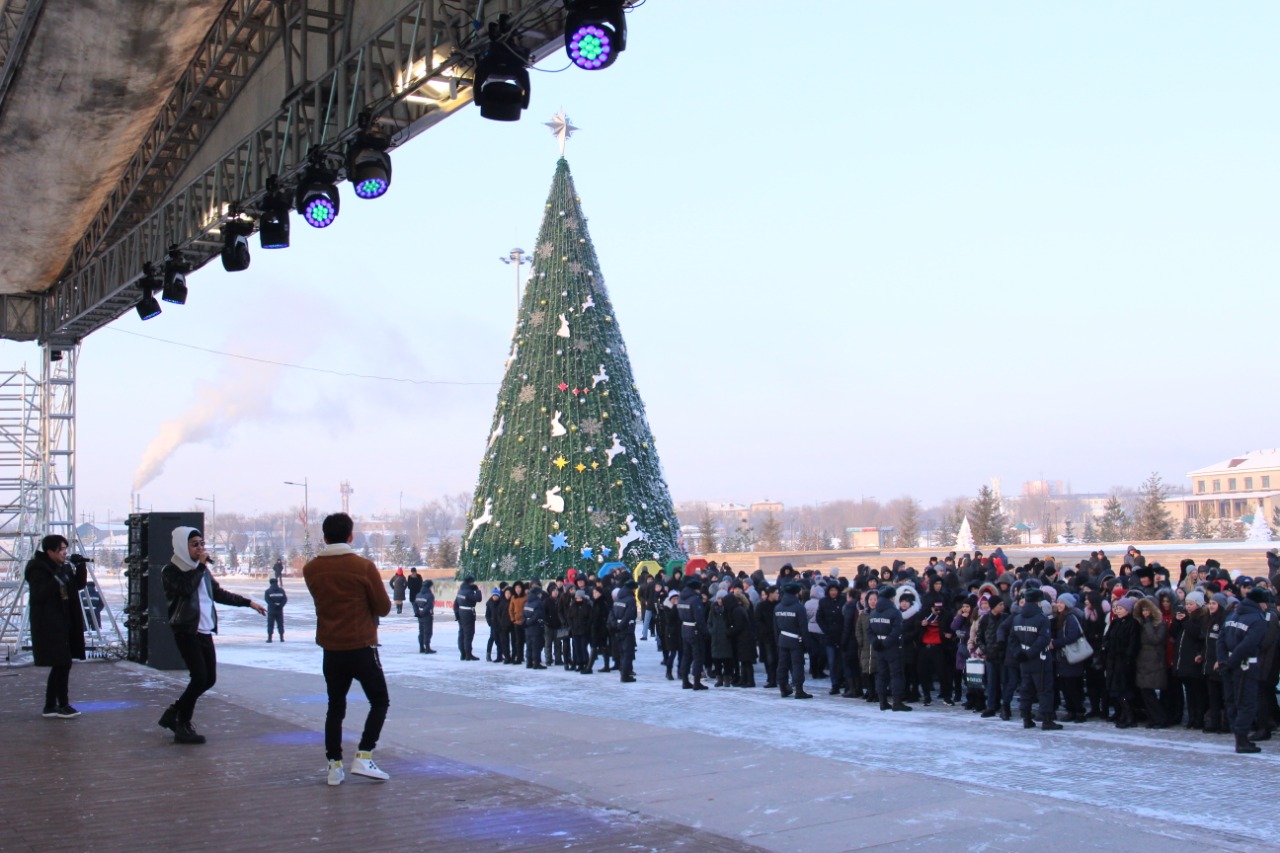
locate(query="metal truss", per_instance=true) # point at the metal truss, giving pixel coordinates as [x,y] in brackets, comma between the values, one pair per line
[38,493]
[408,73]
[17,23]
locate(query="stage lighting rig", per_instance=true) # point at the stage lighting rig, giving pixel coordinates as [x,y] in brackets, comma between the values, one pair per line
[317,196]
[147,306]
[368,163]
[273,225]
[176,268]
[235,244]
[502,75]
[595,32]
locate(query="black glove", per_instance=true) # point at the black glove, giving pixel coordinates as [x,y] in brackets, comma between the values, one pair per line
[1021,657]
[877,644]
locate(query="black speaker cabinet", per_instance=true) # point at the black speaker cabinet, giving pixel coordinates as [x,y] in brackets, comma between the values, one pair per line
[147,614]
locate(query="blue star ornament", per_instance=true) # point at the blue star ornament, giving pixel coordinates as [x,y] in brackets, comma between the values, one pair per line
[586,553]
[559,541]
[606,551]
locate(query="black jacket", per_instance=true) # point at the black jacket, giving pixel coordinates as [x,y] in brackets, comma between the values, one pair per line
[57,622]
[180,590]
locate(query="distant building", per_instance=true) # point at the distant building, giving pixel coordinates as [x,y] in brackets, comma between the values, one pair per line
[1232,488]
[1042,487]
[767,506]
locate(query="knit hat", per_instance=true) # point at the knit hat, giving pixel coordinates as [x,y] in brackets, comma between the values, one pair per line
[580,594]
[720,593]
[1259,595]
[1125,604]
[1067,599]
[1033,595]
[792,588]
[1196,597]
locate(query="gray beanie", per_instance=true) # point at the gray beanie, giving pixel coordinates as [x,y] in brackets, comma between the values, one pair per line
[1196,597]
[1067,599]
[1222,600]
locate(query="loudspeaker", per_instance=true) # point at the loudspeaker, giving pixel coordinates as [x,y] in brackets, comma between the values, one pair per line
[150,549]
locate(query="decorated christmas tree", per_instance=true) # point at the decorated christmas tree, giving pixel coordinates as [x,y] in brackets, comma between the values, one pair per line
[570,476]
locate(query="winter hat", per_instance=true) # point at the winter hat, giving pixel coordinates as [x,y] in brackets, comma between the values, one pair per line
[1067,599]
[1258,595]
[792,588]
[720,593]
[428,583]
[469,579]
[693,583]
[1125,604]
[496,591]
[1222,600]
[631,584]
[885,592]
[580,595]
[1033,595]
[1196,597]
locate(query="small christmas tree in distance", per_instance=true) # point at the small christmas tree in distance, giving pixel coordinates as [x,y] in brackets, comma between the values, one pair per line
[570,476]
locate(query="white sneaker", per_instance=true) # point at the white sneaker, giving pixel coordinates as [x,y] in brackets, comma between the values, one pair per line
[364,766]
[335,773]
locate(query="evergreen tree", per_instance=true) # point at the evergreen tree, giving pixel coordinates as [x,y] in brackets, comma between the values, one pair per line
[1090,534]
[1205,528]
[447,553]
[908,533]
[950,526]
[1114,524]
[397,553]
[1229,528]
[415,556]
[1151,519]
[1069,532]
[985,519]
[707,532]
[431,556]
[1188,529]
[740,540]
[570,476]
[771,533]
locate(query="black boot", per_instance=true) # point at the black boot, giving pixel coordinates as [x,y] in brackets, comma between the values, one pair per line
[169,719]
[902,706]
[670,677]
[1260,735]
[1006,713]
[697,683]
[1050,724]
[800,694]
[1246,746]
[1027,722]
[686,684]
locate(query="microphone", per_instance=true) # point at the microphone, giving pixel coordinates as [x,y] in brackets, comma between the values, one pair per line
[79,559]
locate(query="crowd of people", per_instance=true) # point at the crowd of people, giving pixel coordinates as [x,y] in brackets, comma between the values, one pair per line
[1130,645]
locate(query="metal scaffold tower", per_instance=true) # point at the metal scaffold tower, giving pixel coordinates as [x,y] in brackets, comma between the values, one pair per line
[38,494]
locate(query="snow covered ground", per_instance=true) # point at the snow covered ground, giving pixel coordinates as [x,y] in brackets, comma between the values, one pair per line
[1176,777]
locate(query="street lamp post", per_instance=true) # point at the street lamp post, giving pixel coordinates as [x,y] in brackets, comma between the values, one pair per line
[517,258]
[213,521]
[306,515]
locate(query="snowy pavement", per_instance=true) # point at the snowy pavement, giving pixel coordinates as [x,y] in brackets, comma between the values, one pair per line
[1181,783]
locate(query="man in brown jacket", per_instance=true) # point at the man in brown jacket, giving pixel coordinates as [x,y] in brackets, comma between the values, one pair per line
[349,597]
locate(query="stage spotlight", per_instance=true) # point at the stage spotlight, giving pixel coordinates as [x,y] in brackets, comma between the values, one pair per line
[273,225]
[175,278]
[595,32]
[502,78]
[368,163]
[235,244]
[147,306]
[317,197]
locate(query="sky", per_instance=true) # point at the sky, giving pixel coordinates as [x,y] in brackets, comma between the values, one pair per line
[886,249]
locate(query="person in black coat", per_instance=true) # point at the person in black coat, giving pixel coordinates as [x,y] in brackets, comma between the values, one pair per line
[413,584]
[1120,658]
[766,642]
[738,627]
[425,605]
[535,621]
[276,598]
[190,593]
[580,611]
[1188,656]
[831,621]
[601,606]
[57,619]
[668,629]
[693,631]
[1032,633]
[791,623]
[464,611]
[849,646]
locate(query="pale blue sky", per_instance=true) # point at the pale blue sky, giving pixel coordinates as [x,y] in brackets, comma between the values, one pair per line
[861,249]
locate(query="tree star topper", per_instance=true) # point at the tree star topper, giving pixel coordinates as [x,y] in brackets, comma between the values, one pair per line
[561,127]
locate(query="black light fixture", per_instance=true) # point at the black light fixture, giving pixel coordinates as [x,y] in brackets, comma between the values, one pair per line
[273,225]
[235,244]
[175,277]
[55,355]
[595,32]
[368,163]
[147,306]
[317,196]
[502,76]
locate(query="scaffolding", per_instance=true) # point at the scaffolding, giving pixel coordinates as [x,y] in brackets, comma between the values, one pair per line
[38,496]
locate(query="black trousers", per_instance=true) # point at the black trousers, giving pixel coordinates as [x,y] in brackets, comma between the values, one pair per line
[340,669]
[691,657]
[426,627]
[891,681]
[202,662]
[790,665]
[466,630]
[1035,688]
[55,689]
[275,619]
[626,651]
[533,639]
[1240,690]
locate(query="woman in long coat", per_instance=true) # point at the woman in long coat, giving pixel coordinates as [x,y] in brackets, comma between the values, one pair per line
[1150,673]
[1120,654]
[57,619]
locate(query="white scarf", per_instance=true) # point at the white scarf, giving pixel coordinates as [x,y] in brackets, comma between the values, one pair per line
[337,549]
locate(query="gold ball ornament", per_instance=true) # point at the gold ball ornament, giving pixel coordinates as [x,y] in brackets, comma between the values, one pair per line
[519,439]
[555,525]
